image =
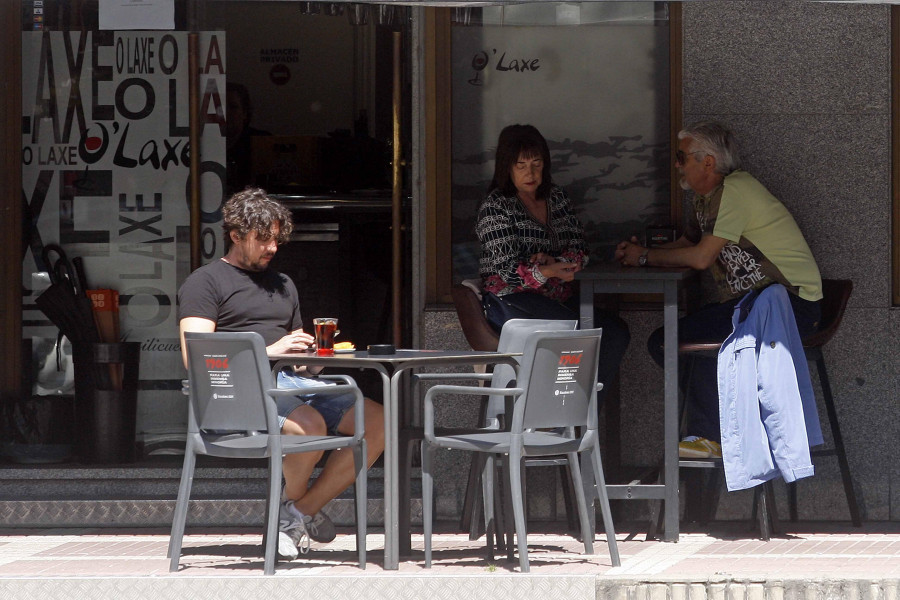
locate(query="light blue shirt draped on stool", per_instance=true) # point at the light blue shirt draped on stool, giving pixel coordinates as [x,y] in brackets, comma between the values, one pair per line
[767,409]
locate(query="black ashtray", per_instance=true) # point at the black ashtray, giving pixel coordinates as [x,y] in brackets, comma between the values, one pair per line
[381,349]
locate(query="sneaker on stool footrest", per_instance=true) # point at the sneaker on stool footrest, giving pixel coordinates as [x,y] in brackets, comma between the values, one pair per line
[698,447]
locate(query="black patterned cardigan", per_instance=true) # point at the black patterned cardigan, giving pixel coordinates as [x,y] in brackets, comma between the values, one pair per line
[509,236]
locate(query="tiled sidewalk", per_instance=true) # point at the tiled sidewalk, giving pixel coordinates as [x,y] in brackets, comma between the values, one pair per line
[871,552]
[726,553]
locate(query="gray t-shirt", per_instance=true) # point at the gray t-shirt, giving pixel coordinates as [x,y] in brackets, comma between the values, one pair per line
[237,300]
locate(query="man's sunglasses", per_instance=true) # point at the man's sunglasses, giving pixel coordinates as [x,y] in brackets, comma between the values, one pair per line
[681,155]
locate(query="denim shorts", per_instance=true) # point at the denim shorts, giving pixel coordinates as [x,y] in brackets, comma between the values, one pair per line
[331,407]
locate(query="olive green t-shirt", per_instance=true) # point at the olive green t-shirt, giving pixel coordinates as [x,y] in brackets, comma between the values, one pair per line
[764,243]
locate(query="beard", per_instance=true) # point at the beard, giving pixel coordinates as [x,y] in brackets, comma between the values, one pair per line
[261,264]
[257,265]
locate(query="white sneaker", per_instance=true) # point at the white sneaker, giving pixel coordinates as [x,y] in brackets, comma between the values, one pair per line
[292,526]
[287,549]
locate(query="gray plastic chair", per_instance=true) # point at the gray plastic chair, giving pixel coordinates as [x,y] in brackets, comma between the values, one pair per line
[556,388]
[512,339]
[232,414]
[513,336]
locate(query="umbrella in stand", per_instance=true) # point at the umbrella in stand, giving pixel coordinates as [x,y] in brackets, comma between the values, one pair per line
[71,311]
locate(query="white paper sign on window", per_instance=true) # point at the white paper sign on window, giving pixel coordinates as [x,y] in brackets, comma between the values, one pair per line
[137,14]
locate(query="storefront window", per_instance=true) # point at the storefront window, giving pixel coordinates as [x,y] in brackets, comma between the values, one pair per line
[593,78]
[294,97]
[106,180]
[318,78]
[315,93]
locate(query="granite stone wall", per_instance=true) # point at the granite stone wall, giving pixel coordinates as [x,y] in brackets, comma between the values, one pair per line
[806,87]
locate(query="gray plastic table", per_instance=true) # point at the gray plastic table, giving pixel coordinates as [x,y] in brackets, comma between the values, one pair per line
[612,278]
[391,368]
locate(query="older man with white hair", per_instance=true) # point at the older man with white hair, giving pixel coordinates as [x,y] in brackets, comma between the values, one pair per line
[748,240]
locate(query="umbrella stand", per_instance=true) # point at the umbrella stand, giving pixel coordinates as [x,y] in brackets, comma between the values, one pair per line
[75,320]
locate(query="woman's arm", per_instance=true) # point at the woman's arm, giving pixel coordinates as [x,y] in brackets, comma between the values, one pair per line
[501,245]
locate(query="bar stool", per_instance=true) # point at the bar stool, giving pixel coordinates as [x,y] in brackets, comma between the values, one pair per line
[836,294]
[479,333]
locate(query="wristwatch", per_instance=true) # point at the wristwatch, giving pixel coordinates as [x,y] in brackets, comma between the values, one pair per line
[642,259]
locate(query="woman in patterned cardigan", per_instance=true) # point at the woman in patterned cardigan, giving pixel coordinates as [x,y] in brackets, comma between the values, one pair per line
[532,244]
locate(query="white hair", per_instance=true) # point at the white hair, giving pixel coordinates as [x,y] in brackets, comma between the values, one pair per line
[717,141]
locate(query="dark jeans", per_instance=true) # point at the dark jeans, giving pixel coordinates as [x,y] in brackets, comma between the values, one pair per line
[613,343]
[712,323]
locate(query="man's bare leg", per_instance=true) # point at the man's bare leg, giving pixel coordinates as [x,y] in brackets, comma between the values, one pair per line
[298,468]
[339,473]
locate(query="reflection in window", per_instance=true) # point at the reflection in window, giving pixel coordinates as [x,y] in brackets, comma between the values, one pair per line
[593,78]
